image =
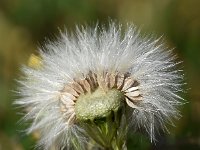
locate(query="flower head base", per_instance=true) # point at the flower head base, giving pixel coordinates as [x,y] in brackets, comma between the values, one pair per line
[98,105]
[87,82]
[98,94]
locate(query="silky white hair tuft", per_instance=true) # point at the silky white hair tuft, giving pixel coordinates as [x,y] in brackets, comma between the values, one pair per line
[100,50]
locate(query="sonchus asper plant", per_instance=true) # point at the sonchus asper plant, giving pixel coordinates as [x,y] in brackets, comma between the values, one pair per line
[92,87]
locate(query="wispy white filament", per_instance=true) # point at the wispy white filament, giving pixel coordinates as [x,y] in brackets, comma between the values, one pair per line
[100,50]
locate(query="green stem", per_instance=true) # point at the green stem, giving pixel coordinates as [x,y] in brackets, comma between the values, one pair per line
[110,132]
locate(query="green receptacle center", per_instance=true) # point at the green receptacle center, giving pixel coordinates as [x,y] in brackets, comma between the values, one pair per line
[98,104]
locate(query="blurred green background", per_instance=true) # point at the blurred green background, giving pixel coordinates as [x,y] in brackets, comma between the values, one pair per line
[25,24]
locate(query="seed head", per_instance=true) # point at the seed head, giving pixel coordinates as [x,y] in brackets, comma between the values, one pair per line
[95,73]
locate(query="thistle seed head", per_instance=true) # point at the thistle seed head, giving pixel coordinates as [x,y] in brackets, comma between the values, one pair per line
[96,73]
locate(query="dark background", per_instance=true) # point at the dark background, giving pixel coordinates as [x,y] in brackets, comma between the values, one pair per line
[24,25]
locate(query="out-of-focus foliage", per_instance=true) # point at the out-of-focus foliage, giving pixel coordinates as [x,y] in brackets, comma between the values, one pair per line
[24,25]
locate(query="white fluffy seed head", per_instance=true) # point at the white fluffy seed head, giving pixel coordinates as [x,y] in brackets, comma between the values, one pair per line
[153,101]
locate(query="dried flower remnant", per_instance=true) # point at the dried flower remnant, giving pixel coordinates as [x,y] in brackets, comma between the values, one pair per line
[93,87]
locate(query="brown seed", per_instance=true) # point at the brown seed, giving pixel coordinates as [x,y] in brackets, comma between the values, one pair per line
[129,103]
